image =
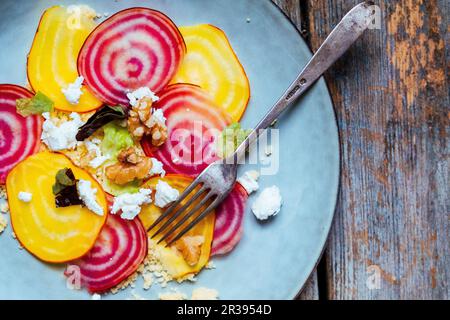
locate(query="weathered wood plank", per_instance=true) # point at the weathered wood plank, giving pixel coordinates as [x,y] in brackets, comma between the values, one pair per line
[292,9]
[391,96]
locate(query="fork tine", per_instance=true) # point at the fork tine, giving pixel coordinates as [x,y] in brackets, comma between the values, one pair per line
[207,211]
[180,210]
[187,216]
[175,204]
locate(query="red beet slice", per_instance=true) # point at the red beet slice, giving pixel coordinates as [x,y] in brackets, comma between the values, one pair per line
[119,250]
[19,136]
[229,227]
[194,123]
[134,48]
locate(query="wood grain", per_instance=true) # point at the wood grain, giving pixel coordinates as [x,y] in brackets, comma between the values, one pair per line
[391,96]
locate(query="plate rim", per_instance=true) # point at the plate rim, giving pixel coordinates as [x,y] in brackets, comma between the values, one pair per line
[302,287]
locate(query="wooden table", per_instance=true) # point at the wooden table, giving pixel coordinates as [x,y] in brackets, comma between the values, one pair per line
[391,97]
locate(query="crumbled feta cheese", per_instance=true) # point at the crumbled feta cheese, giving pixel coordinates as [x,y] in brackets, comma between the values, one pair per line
[204,294]
[130,204]
[87,195]
[25,196]
[3,223]
[157,168]
[94,147]
[140,93]
[159,116]
[211,265]
[62,137]
[165,194]
[73,91]
[172,296]
[250,181]
[148,280]
[267,204]
[96,296]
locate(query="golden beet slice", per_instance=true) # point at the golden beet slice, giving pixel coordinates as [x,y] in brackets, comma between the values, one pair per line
[52,62]
[212,64]
[51,234]
[180,264]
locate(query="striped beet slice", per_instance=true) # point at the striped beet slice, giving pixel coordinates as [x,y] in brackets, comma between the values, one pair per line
[134,48]
[119,250]
[229,226]
[19,136]
[194,123]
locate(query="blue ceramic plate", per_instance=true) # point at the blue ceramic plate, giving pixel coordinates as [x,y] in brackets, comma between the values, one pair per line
[274,259]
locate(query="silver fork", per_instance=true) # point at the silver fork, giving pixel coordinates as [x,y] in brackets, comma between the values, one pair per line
[219,178]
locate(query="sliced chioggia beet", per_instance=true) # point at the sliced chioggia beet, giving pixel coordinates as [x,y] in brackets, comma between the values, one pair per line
[134,48]
[194,123]
[119,250]
[19,136]
[229,227]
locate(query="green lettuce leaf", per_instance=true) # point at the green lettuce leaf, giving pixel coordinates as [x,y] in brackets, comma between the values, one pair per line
[39,104]
[116,139]
[230,138]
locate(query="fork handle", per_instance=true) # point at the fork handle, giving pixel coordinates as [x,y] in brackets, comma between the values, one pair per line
[337,43]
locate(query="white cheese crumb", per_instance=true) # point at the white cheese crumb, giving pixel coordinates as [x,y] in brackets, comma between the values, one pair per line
[250,181]
[172,296]
[73,91]
[94,147]
[25,196]
[96,296]
[62,137]
[248,20]
[140,93]
[130,204]
[148,280]
[204,294]
[87,195]
[158,115]
[267,204]
[157,168]
[165,194]
[3,223]
[211,265]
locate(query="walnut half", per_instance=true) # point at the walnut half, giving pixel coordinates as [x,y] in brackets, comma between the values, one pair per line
[142,122]
[130,167]
[190,248]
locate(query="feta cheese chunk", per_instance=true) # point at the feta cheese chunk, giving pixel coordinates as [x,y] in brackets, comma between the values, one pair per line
[204,294]
[130,204]
[268,203]
[73,91]
[250,181]
[94,147]
[157,168]
[3,223]
[165,194]
[88,196]
[140,93]
[62,137]
[159,116]
[96,296]
[172,296]
[25,196]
